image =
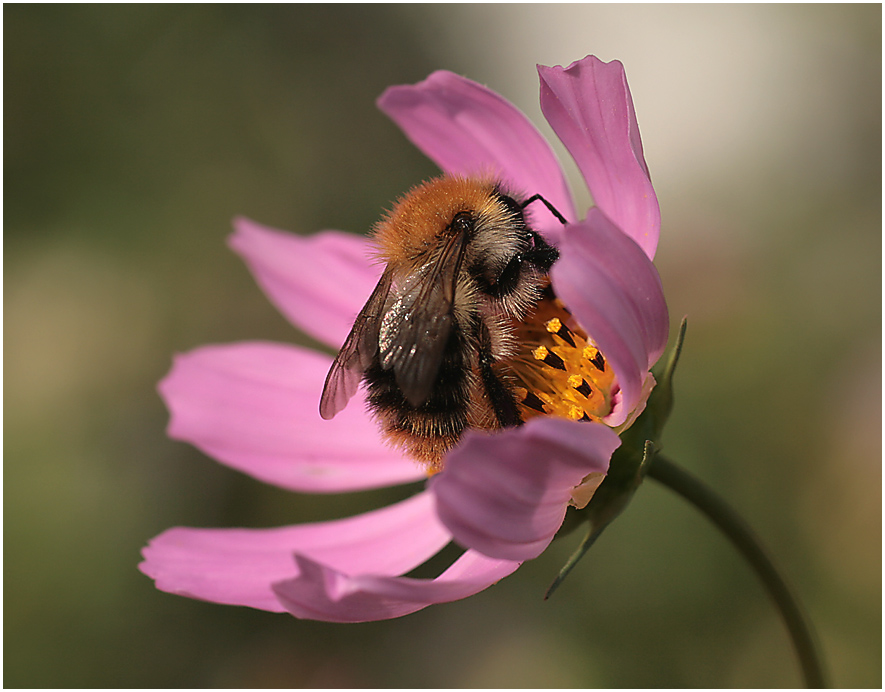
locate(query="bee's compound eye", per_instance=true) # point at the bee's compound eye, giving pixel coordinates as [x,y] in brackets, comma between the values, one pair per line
[509,278]
[462,223]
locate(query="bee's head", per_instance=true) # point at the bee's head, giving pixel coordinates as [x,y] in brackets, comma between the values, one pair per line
[424,220]
[504,262]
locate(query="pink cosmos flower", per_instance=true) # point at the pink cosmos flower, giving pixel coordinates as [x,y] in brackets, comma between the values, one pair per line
[503,496]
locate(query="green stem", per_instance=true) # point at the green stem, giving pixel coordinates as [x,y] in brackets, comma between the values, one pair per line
[666,472]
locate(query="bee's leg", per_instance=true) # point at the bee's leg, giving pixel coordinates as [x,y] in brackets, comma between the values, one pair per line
[502,400]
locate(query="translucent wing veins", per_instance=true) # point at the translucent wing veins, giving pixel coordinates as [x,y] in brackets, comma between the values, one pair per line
[414,332]
[356,353]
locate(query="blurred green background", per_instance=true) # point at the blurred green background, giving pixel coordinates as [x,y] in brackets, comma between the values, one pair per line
[133,134]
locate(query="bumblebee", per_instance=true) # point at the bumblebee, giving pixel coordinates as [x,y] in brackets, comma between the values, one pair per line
[463,269]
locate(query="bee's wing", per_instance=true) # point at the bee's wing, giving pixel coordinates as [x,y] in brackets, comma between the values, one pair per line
[415,330]
[357,352]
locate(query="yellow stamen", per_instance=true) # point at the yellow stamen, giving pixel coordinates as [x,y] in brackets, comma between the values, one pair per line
[575,412]
[557,369]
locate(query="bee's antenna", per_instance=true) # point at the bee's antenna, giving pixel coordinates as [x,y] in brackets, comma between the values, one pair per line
[547,204]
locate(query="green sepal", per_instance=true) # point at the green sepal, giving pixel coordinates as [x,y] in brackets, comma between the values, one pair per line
[608,502]
[630,462]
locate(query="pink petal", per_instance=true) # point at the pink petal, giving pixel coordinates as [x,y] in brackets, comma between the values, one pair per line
[318,282]
[468,129]
[239,566]
[614,291]
[589,106]
[505,495]
[254,407]
[324,593]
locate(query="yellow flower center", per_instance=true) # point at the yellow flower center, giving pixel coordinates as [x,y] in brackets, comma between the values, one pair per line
[557,369]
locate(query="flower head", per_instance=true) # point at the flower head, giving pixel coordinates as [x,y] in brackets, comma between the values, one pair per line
[253,406]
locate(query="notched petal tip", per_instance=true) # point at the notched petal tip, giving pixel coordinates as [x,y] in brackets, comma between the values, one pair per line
[253,406]
[589,106]
[240,566]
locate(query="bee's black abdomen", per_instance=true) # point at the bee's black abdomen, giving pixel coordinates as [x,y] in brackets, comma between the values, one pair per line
[442,418]
[465,268]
